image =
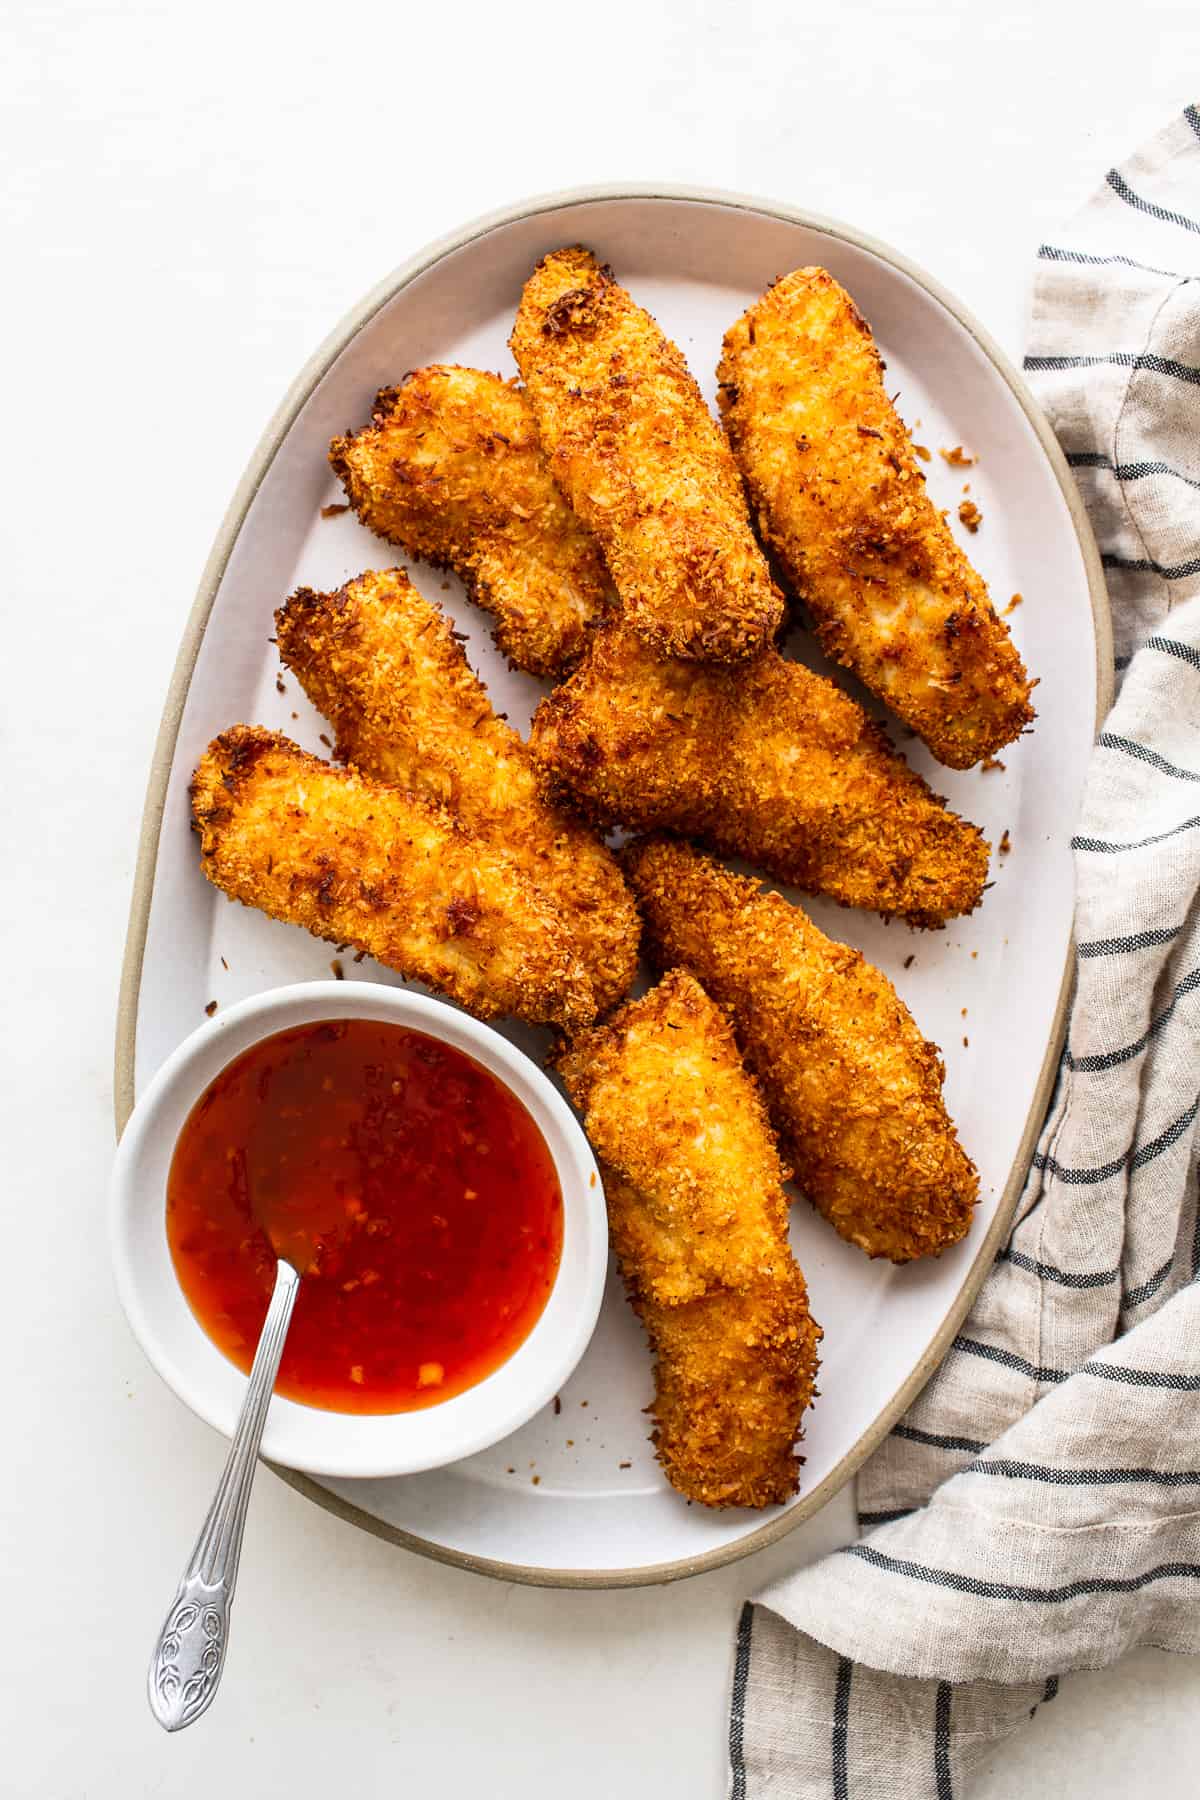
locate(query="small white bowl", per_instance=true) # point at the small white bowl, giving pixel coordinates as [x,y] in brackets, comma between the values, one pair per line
[303,1437]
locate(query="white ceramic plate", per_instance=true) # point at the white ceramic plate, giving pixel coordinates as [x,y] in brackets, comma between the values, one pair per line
[989,990]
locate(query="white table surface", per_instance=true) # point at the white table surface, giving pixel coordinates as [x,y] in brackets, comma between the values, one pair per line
[192,198]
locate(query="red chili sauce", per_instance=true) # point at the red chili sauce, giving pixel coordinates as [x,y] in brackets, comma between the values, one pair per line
[412,1190]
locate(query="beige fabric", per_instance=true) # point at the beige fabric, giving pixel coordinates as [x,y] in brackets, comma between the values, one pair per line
[1038,1510]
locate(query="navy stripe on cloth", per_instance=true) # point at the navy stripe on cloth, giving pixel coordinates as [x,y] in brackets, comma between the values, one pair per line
[1126,472]
[1121,359]
[1170,647]
[1139,1295]
[1057,1477]
[1054,253]
[1111,1059]
[868,1520]
[1138,1159]
[1003,1590]
[1138,940]
[1123,191]
[1145,565]
[1192,115]
[1143,1378]
[1111,741]
[841,1729]
[938,1440]
[941,1742]
[1008,1360]
[1099,847]
[737,1711]
[1097,1278]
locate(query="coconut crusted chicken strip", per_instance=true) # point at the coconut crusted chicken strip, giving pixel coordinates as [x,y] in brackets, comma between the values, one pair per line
[855,1091]
[389,872]
[643,462]
[698,1218]
[450,468]
[841,502]
[383,665]
[766,761]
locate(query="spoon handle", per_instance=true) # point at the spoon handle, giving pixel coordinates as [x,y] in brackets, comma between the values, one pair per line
[190,1653]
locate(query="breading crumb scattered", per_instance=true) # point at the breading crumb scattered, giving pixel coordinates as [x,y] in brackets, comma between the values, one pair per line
[339,974]
[1005,844]
[970,515]
[334,508]
[624,1465]
[958,458]
[224,965]
[966,1043]
[557,1405]
[910,960]
[280,685]
[211,1008]
[922,452]
[1017,600]
[327,741]
[989,763]
[536,1480]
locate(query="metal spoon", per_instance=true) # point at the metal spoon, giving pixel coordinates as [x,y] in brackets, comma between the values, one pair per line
[190,1653]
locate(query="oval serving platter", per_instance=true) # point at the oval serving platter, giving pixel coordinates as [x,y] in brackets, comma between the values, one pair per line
[990,990]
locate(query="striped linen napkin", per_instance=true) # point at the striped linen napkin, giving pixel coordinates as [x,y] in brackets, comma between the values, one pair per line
[1038,1510]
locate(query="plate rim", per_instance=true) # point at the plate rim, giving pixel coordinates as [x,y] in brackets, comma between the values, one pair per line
[163,755]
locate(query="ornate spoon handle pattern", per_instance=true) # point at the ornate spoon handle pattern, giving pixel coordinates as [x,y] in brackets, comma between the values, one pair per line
[190,1653]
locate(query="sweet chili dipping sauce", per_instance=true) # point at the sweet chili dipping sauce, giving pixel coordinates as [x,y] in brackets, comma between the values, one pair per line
[411,1189]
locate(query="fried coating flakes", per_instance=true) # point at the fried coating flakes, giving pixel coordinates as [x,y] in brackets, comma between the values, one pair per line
[698,1218]
[644,464]
[766,761]
[383,665]
[854,1090]
[451,469]
[387,872]
[833,478]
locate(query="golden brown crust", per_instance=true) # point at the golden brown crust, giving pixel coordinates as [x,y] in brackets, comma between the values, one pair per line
[393,874]
[643,462]
[451,469]
[384,666]
[766,761]
[854,1090]
[698,1218]
[841,501]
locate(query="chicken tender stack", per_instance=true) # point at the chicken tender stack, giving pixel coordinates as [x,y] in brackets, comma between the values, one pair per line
[451,469]
[841,502]
[765,761]
[698,1218]
[644,464]
[855,1091]
[393,874]
[383,665]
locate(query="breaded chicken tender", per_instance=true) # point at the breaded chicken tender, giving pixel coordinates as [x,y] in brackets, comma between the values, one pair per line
[451,469]
[841,502]
[384,666]
[643,462]
[698,1218]
[854,1090]
[766,761]
[391,873]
